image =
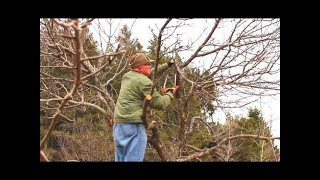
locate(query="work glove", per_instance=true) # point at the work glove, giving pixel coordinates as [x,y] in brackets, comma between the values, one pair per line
[173,90]
[171,62]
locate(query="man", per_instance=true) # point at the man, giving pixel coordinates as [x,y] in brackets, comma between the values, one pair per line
[129,132]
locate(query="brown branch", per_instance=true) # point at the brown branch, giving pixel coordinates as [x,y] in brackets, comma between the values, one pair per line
[52,99]
[65,48]
[105,98]
[103,66]
[195,54]
[180,71]
[158,53]
[211,130]
[95,72]
[66,118]
[157,144]
[79,51]
[194,148]
[146,102]
[217,49]
[213,149]
[89,104]
[43,157]
[104,55]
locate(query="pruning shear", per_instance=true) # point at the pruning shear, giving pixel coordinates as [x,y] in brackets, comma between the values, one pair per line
[175,87]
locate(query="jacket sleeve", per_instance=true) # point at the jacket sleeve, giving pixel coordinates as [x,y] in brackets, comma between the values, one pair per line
[158,101]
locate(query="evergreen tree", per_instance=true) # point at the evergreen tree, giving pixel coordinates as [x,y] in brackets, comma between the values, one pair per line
[254,149]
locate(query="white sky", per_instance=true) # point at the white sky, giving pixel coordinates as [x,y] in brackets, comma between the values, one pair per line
[269,106]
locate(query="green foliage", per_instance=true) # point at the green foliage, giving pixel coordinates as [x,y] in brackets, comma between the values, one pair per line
[168,134]
[152,47]
[131,45]
[151,155]
[199,139]
[253,149]
[90,45]
[254,113]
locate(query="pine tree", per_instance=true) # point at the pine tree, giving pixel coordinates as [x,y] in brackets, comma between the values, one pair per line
[254,149]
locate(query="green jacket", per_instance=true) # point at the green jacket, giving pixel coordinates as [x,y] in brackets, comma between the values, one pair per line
[134,88]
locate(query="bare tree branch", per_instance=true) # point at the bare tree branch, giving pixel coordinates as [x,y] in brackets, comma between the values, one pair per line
[76,84]
[211,150]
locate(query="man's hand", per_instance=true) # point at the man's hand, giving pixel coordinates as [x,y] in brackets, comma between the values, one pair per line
[173,89]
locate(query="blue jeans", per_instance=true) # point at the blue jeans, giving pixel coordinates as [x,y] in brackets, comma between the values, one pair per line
[130,142]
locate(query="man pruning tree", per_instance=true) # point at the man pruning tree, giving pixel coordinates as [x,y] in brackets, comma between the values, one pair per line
[129,132]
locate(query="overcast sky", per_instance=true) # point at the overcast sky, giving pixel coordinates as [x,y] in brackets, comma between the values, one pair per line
[270,106]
